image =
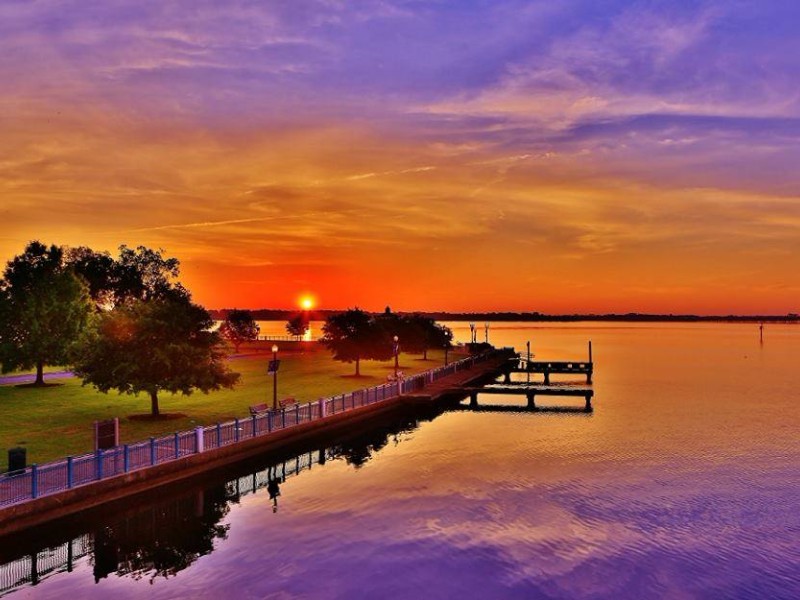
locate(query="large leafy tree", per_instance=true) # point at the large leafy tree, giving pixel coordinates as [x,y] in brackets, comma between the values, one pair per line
[139,273]
[354,335]
[44,307]
[150,346]
[239,327]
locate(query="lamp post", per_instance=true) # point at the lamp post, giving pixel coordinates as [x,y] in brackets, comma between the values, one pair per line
[396,354]
[275,378]
[472,333]
[486,331]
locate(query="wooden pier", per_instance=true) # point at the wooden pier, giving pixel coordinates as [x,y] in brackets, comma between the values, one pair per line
[483,380]
[530,391]
[557,367]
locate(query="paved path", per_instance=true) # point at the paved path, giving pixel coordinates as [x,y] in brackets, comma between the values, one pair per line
[31,377]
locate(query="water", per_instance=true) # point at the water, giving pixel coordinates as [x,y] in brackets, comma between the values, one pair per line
[683,483]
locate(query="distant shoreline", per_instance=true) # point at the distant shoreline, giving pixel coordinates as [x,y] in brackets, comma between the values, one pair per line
[320,315]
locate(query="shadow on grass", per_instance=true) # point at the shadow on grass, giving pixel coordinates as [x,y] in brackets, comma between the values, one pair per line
[38,385]
[153,418]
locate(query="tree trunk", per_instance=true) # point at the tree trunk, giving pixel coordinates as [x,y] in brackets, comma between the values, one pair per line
[154,403]
[39,373]
[358,367]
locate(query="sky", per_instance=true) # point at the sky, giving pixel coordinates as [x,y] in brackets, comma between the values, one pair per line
[571,156]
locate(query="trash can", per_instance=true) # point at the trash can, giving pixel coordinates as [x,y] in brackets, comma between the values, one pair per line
[16,459]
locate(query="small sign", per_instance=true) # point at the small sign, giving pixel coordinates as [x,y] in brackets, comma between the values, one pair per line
[106,434]
[273,366]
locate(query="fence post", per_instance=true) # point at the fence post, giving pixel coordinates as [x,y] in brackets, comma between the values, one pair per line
[283,418]
[322,414]
[296,414]
[254,425]
[125,459]
[269,421]
[69,471]
[98,459]
[199,442]
[219,435]
[177,445]
[152,451]
[34,481]
[236,429]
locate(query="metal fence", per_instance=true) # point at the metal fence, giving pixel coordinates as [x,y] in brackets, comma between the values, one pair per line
[74,471]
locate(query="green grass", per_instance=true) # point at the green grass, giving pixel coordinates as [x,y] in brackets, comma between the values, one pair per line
[56,421]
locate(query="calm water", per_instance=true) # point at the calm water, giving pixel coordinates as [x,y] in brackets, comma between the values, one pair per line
[683,483]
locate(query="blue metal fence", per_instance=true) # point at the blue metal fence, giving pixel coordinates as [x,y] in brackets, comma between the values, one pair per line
[74,471]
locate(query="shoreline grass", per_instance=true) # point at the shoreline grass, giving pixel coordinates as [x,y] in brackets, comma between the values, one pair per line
[56,421]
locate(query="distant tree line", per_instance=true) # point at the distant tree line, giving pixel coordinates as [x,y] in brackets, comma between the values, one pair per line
[321,315]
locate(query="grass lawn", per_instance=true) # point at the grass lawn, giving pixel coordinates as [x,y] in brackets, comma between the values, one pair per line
[56,421]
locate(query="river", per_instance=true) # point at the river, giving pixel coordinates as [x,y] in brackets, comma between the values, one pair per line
[683,483]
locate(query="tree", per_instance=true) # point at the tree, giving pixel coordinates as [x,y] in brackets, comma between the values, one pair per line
[417,333]
[354,335]
[298,325]
[430,334]
[138,274]
[157,345]
[98,269]
[144,274]
[43,309]
[238,327]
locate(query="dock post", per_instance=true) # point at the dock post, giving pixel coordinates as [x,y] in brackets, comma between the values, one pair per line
[588,403]
[591,364]
[531,400]
[546,377]
[473,399]
[507,376]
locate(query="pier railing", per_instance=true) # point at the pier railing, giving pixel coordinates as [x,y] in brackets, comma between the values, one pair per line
[74,471]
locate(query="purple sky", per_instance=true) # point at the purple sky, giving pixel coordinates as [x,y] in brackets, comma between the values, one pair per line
[608,139]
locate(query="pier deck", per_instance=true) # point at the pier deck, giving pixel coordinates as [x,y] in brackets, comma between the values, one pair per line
[530,391]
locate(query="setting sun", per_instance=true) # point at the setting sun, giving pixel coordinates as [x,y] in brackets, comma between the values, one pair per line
[306,302]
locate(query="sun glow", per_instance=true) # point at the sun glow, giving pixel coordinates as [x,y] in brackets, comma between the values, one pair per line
[306,302]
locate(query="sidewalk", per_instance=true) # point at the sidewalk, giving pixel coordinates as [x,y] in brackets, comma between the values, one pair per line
[31,377]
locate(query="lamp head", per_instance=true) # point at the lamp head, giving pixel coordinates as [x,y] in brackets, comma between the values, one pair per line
[275,347]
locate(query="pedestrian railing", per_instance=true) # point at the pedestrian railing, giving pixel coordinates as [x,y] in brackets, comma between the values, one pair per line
[75,471]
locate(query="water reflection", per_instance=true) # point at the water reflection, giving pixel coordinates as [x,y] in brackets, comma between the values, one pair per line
[167,536]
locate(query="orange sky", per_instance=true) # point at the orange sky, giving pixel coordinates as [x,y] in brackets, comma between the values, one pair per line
[276,154]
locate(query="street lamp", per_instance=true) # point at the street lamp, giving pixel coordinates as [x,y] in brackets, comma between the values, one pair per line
[486,331]
[275,377]
[396,354]
[472,333]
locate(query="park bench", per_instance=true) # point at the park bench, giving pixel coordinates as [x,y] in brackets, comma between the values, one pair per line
[287,402]
[258,409]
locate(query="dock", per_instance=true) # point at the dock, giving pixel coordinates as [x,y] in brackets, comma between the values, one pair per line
[552,367]
[530,391]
